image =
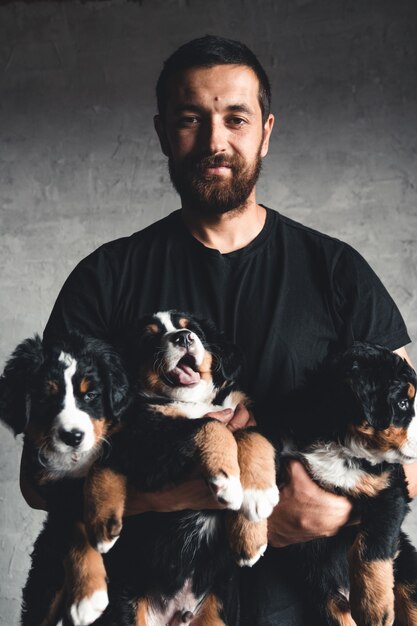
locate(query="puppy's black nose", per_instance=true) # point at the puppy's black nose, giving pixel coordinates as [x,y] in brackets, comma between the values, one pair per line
[72,437]
[182,338]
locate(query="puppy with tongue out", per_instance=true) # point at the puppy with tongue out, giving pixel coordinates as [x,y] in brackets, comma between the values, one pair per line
[186,370]
[182,366]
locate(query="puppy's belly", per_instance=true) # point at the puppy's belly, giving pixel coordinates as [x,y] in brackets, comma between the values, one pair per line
[183,601]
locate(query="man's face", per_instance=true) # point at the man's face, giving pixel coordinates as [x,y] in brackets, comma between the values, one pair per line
[214,137]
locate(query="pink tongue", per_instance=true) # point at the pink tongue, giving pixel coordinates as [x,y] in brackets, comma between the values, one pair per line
[186,375]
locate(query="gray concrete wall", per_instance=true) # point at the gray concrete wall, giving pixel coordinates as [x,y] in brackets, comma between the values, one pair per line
[80,164]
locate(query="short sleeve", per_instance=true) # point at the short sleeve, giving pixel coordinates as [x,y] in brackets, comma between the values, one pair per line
[85,302]
[366,310]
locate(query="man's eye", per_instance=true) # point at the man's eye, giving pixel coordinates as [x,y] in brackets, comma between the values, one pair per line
[403,405]
[237,121]
[91,395]
[188,120]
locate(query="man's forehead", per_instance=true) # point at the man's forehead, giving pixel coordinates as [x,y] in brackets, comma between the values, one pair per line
[229,85]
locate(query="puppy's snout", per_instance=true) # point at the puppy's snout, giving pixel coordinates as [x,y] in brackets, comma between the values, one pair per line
[72,437]
[183,338]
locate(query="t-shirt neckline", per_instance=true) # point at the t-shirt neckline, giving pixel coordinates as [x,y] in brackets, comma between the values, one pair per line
[250,248]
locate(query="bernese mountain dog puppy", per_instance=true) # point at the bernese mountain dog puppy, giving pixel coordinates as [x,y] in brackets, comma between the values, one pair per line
[353,425]
[171,564]
[67,399]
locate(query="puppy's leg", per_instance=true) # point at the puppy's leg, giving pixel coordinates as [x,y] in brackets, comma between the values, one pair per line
[85,580]
[209,613]
[405,585]
[248,540]
[247,529]
[371,586]
[218,455]
[371,557]
[142,612]
[256,457]
[105,497]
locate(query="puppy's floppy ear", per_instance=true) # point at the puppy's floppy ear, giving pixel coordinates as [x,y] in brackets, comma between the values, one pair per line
[16,383]
[115,379]
[227,355]
[229,359]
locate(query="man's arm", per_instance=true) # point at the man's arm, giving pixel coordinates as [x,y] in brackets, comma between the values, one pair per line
[305,511]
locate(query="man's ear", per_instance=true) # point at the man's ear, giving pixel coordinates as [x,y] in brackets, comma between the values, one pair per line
[267,130]
[160,130]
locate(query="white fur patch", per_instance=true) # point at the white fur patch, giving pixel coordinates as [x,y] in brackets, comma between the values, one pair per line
[165,319]
[184,600]
[89,609]
[258,504]
[332,464]
[104,546]
[227,490]
[71,417]
[409,449]
[254,559]
[59,458]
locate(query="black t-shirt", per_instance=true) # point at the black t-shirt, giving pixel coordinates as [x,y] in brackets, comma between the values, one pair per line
[287,299]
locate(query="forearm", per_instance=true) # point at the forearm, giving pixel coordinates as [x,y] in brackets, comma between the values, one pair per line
[192,494]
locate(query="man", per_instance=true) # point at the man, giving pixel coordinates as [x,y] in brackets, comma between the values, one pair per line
[286,294]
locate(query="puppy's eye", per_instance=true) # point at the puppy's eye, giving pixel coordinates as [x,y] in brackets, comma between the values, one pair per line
[403,405]
[91,395]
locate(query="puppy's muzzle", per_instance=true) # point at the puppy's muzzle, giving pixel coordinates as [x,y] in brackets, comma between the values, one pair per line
[72,438]
[182,338]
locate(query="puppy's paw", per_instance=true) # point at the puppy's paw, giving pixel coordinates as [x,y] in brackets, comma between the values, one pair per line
[228,490]
[258,504]
[89,609]
[104,534]
[249,560]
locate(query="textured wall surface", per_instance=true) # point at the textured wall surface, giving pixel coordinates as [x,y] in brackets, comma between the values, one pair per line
[80,163]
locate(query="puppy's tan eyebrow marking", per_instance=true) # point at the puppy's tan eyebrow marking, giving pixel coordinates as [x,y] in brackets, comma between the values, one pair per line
[183,322]
[84,385]
[52,387]
[411,391]
[152,328]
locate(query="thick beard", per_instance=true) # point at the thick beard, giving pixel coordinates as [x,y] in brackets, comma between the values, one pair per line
[212,195]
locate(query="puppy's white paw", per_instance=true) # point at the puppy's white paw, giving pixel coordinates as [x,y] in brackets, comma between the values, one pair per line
[228,490]
[89,609]
[251,561]
[258,504]
[105,546]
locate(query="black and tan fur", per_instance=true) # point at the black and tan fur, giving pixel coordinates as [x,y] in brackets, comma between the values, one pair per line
[353,426]
[186,369]
[67,399]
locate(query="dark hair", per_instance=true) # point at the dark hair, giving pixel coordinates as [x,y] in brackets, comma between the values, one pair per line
[209,51]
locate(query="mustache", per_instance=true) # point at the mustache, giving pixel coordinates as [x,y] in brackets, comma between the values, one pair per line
[216,160]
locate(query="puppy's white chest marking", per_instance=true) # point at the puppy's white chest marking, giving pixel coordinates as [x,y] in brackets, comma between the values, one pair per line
[330,464]
[184,600]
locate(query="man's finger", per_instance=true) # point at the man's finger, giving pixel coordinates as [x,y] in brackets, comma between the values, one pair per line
[225,415]
[242,418]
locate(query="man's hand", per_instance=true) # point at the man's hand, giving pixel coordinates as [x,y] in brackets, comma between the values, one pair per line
[241,417]
[305,511]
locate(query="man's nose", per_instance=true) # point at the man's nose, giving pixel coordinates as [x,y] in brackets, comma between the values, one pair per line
[215,136]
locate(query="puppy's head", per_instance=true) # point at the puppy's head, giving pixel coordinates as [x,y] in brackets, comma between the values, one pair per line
[383,388]
[184,358]
[65,397]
